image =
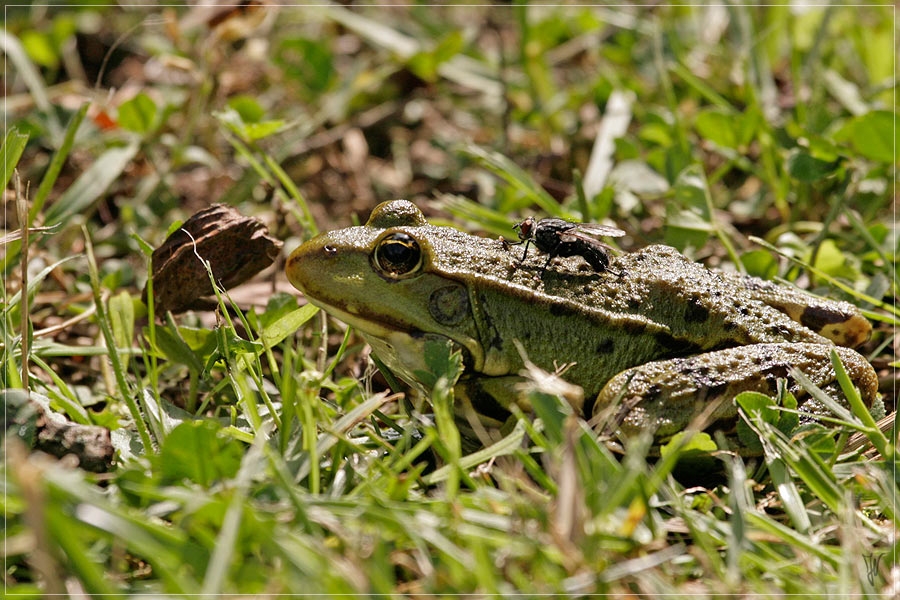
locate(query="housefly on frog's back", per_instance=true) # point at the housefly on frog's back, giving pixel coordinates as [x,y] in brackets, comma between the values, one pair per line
[557,237]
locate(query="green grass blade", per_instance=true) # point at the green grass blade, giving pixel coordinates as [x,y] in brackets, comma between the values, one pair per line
[12,47]
[113,353]
[92,184]
[13,147]
[513,174]
[224,548]
[878,439]
[56,164]
[835,282]
[66,534]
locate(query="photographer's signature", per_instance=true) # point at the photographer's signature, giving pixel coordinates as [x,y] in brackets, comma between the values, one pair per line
[871,561]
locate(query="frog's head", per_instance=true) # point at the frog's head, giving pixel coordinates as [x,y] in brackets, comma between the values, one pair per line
[383,278]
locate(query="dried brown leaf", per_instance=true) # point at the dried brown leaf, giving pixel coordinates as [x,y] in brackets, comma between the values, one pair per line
[237,248]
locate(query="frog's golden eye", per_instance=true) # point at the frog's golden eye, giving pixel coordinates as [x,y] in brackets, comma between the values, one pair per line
[398,255]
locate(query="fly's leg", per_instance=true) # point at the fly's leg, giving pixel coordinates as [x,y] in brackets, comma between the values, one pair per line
[525,253]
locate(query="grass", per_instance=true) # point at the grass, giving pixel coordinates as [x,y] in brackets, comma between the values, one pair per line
[257,450]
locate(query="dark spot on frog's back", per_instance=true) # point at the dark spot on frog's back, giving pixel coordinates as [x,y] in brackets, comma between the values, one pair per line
[667,340]
[717,390]
[695,312]
[558,309]
[653,392]
[633,327]
[674,345]
[817,317]
[606,346]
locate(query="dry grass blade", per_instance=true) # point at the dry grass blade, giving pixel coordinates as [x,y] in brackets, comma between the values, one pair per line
[18,235]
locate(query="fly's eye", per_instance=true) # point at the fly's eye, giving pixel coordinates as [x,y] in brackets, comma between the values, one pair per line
[525,228]
[398,255]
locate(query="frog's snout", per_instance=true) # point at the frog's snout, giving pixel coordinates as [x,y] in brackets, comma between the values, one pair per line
[309,262]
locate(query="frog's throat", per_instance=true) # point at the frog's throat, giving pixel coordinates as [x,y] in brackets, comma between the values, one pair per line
[399,336]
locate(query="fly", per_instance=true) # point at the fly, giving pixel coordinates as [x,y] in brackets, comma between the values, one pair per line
[557,237]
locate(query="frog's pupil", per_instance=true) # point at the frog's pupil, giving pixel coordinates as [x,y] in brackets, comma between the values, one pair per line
[398,253]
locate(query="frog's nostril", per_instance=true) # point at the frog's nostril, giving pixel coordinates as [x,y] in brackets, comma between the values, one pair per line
[330,250]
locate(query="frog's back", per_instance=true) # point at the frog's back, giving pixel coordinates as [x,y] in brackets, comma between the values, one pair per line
[697,304]
[655,291]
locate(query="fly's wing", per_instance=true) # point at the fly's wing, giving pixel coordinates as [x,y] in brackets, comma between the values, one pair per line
[572,236]
[597,229]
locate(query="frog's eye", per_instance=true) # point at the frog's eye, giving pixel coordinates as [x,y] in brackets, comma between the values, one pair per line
[397,255]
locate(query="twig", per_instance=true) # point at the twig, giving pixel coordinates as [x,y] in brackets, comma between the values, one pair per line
[66,324]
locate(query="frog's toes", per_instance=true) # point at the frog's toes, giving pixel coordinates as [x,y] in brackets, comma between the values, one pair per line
[843,327]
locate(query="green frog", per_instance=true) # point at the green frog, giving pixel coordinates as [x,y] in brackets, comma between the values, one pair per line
[656,333]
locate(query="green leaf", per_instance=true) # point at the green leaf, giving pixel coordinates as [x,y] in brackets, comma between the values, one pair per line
[756,406]
[257,131]
[442,361]
[279,305]
[308,62]
[247,131]
[146,248]
[13,146]
[23,67]
[760,263]
[552,412]
[688,222]
[806,167]
[194,451]
[872,135]
[121,316]
[197,338]
[656,133]
[748,125]
[793,503]
[247,107]
[57,163]
[92,184]
[288,324]
[40,49]
[787,420]
[700,443]
[137,114]
[425,64]
[830,259]
[176,349]
[718,127]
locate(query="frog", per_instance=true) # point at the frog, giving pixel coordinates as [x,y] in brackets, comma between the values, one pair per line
[655,337]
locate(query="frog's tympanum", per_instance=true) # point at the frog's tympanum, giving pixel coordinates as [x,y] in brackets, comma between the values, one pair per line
[656,332]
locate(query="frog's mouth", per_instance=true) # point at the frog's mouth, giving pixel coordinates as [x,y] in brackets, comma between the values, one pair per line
[401,349]
[373,325]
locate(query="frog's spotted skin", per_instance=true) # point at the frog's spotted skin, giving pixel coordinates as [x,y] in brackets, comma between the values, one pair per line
[840,322]
[661,392]
[654,313]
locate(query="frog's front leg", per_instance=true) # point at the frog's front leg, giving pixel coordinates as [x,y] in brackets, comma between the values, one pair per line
[666,395]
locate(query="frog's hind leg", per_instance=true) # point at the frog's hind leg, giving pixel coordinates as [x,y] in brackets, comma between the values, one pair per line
[666,395]
[841,322]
